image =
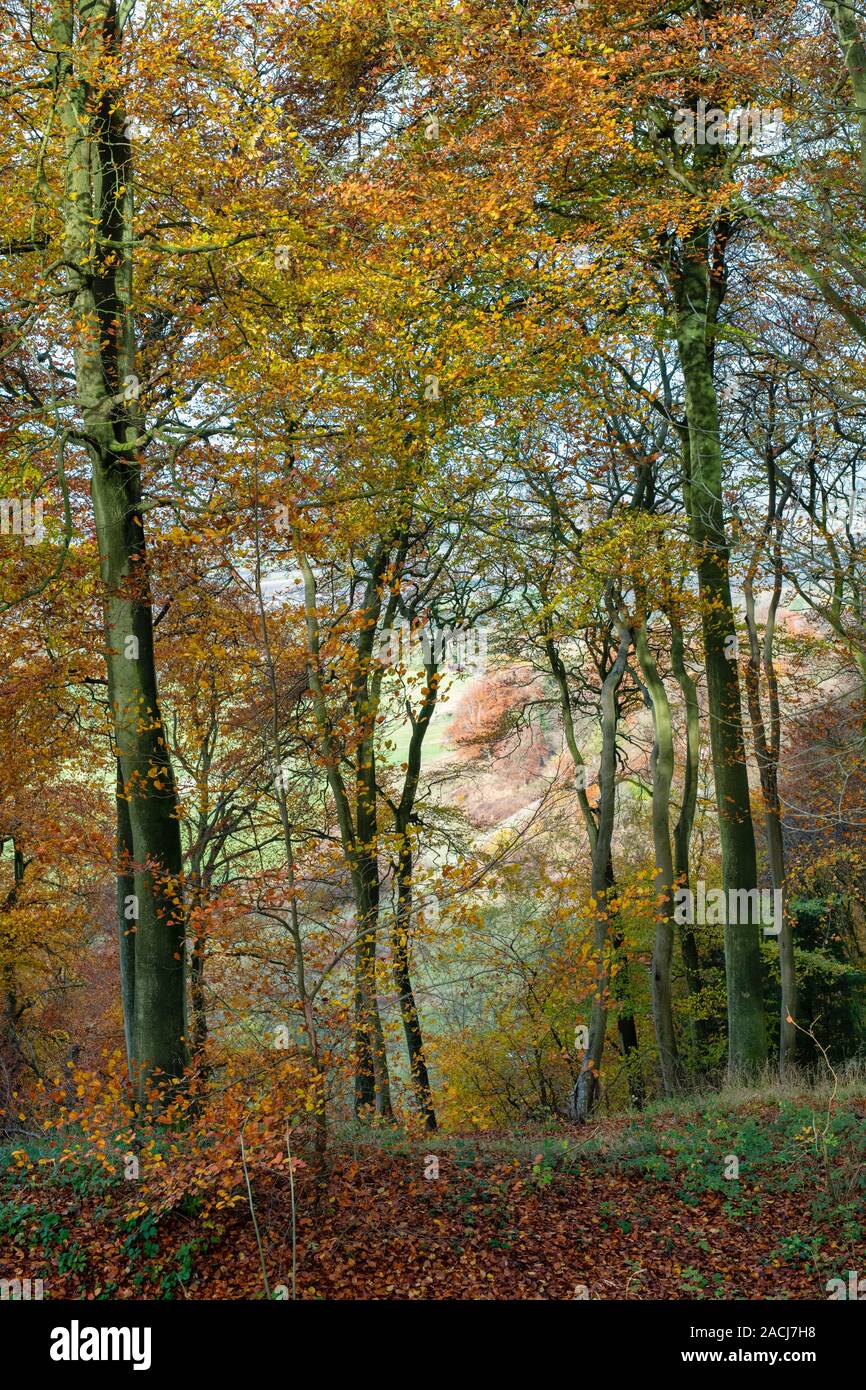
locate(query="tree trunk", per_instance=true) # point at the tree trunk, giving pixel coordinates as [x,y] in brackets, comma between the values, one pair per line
[685,825]
[846,22]
[408,1008]
[368,1018]
[767,749]
[11,1055]
[125,921]
[405,889]
[694,294]
[97,212]
[586,1091]
[663,949]
[358,838]
[626,1025]
[197,894]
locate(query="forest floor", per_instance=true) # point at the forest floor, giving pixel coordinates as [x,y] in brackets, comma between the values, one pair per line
[631,1207]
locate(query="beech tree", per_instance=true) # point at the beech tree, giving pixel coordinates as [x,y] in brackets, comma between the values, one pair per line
[94,203]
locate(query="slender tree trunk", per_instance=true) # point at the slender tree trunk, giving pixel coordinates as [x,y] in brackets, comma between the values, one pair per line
[408,1009]
[198,1002]
[359,841]
[303,995]
[586,1092]
[125,921]
[372,1082]
[401,934]
[767,749]
[366,705]
[787,963]
[685,825]
[662,778]
[626,1022]
[11,1054]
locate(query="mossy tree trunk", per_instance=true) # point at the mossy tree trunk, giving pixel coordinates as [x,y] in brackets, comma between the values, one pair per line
[696,271]
[97,213]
